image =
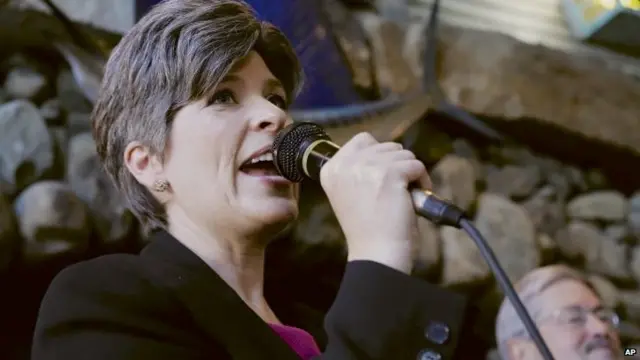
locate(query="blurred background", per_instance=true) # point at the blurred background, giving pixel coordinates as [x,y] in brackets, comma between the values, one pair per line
[526,108]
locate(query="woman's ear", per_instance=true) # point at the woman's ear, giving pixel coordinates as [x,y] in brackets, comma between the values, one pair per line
[144,165]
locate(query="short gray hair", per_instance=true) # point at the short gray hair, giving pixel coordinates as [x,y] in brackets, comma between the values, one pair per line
[529,289]
[176,54]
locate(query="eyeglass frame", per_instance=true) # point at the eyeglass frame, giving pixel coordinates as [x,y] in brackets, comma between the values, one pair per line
[555,315]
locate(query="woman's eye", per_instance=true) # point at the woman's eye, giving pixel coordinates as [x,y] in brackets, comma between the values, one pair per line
[278,101]
[224,97]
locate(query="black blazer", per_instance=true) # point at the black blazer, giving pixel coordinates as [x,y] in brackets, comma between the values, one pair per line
[166,303]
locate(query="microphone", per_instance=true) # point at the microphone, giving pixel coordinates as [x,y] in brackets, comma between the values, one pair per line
[301,149]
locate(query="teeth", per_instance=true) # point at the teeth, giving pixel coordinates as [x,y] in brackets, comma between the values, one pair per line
[264,157]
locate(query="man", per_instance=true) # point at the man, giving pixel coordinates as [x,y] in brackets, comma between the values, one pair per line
[569,314]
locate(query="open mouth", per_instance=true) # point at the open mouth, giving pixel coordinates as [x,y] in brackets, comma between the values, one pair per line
[261,165]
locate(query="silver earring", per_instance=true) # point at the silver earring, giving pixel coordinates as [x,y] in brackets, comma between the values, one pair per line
[160,185]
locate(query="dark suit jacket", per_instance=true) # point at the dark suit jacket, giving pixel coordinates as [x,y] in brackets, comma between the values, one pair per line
[166,303]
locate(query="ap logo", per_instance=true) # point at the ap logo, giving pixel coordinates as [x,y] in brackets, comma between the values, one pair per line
[630,352]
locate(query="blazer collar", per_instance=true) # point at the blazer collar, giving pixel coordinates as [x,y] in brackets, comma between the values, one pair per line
[214,305]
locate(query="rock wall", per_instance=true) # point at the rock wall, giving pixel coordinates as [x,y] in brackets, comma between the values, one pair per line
[533,209]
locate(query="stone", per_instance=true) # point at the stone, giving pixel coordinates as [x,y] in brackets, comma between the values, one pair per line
[510,233]
[635,262]
[70,96]
[514,181]
[427,256]
[26,147]
[631,301]
[596,180]
[633,219]
[116,15]
[50,111]
[606,290]
[617,233]
[495,75]
[629,332]
[9,243]
[546,212]
[576,178]
[548,248]
[394,10]
[414,46]
[601,255]
[317,225]
[93,186]
[392,71]
[606,205]
[24,83]
[353,41]
[454,179]
[52,220]
[462,261]
[78,123]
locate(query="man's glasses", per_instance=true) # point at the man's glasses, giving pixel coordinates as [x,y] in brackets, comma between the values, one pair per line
[578,316]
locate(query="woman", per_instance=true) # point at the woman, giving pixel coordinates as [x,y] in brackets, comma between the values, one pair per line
[191,101]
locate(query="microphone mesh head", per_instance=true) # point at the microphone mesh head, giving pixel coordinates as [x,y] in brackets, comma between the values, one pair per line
[288,147]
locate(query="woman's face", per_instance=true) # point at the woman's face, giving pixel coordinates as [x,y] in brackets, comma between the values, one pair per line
[210,143]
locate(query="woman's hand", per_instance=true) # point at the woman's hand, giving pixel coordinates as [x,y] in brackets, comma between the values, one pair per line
[367,185]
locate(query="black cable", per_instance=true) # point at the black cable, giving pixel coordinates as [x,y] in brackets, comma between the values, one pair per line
[506,286]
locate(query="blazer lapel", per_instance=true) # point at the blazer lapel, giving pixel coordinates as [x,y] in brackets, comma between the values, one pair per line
[214,305]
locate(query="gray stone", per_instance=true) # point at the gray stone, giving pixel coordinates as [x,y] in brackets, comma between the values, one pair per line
[601,255]
[24,83]
[635,262]
[393,73]
[52,220]
[78,123]
[629,332]
[633,218]
[26,147]
[93,186]
[577,178]
[427,256]
[631,301]
[514,181]
[600,205]
[353,41]
[70,96]
[114,15]
[454,179]
[546,212]
[50,110]
[462,261]
[510,233]
[547,246]
[617,233]
[317,225]
[608,292]
[495,75]
[8,234]
[596,180]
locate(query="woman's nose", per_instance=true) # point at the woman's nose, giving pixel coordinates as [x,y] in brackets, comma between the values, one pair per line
[268,117]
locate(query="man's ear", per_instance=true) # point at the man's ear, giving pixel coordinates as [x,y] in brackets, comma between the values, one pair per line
[143,164]
[516,349]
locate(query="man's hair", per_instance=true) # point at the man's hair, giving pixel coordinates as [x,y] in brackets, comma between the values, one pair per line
[529,290]
[176,54]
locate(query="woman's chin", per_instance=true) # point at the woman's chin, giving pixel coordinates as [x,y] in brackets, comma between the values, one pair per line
[279,211]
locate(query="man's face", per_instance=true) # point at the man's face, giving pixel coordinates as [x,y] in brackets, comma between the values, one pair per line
[574,325]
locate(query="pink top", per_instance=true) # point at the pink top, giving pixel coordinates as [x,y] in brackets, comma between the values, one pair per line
[300,341]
